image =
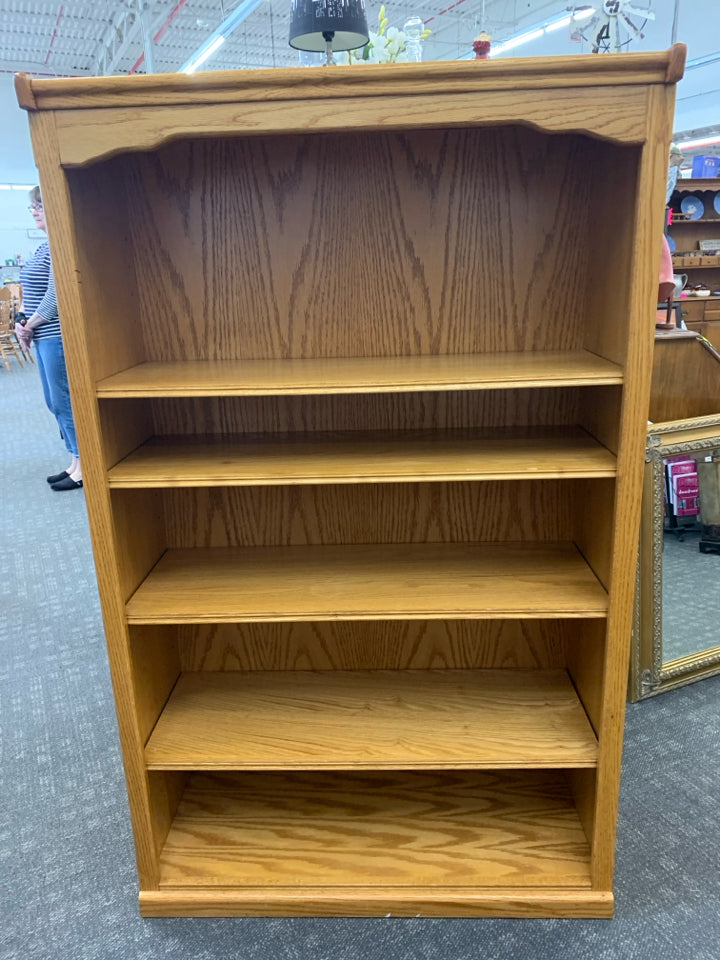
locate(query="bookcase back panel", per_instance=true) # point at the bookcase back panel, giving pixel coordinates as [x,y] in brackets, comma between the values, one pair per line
[374,645]
[384,243]
[369,513]
[401,411]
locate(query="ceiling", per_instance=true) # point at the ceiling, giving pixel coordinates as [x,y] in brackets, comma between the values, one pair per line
[66,37]
[78,38]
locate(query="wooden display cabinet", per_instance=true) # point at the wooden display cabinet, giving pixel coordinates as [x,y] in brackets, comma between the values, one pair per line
[360,361]
[701,314]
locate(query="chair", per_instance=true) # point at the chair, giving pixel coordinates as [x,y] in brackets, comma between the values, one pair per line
[11,294]
[9,344]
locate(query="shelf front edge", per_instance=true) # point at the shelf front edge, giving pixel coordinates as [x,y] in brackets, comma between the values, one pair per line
[378,902]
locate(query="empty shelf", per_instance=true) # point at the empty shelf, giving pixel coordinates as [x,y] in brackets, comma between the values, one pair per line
[384,719]
[364,458]
[368,582]
[315,831]
[215,378]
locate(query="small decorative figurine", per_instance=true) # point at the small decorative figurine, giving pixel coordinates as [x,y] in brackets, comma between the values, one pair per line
[481,45]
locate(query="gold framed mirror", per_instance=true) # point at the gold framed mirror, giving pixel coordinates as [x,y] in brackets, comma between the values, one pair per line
[676,636]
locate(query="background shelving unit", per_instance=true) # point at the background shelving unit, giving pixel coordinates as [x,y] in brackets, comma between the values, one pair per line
[363,475]
[701,314]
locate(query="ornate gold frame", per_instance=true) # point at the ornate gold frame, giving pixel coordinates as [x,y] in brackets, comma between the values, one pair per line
[649,674]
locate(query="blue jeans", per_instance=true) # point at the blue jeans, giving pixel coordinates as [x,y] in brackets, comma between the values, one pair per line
[53,375]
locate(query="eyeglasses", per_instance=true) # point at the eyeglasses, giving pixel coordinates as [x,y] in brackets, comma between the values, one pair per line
[35,206]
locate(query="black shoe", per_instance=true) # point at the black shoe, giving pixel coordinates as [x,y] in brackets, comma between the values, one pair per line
[67,484]
[58,477]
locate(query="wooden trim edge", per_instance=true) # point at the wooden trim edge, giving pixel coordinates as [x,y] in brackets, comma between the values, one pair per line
[24,91]
[676,63]
[377,902]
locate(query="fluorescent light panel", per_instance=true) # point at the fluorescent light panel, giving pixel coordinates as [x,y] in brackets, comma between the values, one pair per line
[549,26]
[701,142]
[204,55]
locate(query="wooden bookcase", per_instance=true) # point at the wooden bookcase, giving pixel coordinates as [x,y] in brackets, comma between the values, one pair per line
[360,362]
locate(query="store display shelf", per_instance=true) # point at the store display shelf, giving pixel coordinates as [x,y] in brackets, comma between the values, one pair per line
[368,582]
[359,457]
[207,378]
[372,719]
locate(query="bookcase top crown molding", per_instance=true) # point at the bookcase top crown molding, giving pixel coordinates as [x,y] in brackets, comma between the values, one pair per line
[448,94]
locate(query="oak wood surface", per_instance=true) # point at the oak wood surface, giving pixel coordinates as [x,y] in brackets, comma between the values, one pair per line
[85,138]
[412,255]
[356,457]
[415,410]
[374,720]
[378,645]
[368,582]
[685,382]
[377,901]
[359,513]
[406,215]
[359,375]
[642,298]
[462,829]
[343,82]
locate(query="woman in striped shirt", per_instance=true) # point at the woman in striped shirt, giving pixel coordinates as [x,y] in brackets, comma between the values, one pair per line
[43,326]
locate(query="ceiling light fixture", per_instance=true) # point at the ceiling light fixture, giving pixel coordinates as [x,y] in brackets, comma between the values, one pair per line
[220,35]
[563,19]
[200,58]
[701,142]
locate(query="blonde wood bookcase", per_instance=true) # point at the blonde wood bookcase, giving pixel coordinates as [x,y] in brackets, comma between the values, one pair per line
[360,362]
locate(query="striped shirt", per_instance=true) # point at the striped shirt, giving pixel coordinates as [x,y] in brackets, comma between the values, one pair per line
[38,287]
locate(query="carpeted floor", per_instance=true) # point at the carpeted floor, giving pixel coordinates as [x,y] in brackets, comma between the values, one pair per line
[67,872]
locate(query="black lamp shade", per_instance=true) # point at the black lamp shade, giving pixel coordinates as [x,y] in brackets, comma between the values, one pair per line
[311,20]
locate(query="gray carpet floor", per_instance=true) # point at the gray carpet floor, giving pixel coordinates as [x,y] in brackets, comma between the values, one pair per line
[67,873]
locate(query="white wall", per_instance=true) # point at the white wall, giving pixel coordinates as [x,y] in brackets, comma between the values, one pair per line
[16,166]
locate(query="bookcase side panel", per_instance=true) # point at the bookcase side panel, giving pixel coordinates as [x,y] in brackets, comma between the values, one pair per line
[76,305]
[641,304]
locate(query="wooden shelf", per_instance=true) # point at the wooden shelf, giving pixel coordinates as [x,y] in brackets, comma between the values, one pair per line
[356,457]
[372,719]
[360,375]
[688,185]
[312,832]
[369,582]
[676,223]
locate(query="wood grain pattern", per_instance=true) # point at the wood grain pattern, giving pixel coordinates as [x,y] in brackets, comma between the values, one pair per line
[345,82]
[360,458]
[368,582]
[84,138]
[433,410]
[385,219]
[642,301]
[429,265]
[395,830]
[188,378]
[379,645]
[685,380]
[377,901]
[66,238]
[372,720]
[520,510]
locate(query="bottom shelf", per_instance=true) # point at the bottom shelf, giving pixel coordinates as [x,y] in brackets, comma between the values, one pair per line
[459,843]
